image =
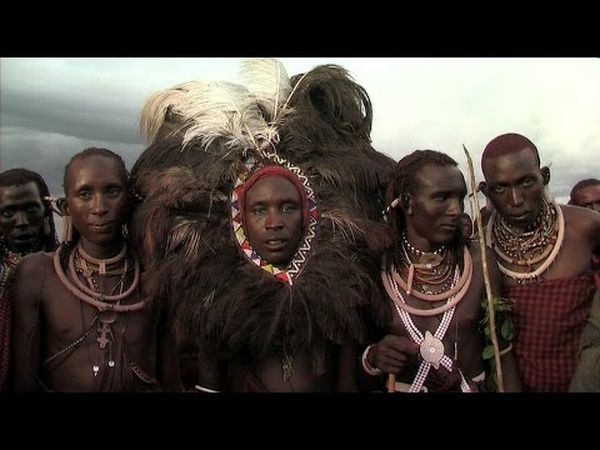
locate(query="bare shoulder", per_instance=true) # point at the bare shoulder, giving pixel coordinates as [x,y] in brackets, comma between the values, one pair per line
[32,264]
[31,273]
[583,220]
[475,250]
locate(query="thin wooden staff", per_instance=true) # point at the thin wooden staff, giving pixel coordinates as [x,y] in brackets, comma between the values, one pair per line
[391,382]
[486,276]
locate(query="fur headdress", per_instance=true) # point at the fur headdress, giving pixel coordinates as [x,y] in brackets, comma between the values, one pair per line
[206,139]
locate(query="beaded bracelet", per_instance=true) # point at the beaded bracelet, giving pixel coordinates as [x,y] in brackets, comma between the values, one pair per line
[368,367]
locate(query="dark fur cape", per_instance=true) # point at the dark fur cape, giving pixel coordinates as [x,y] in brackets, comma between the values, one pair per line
[193,262]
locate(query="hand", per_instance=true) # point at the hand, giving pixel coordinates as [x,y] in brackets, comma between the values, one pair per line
[393,354]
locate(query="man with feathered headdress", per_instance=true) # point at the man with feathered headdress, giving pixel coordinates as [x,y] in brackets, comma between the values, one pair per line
[257,224]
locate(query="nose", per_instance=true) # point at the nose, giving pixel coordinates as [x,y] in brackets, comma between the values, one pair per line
[99,206]
[21,220]
[455,207]
[516,198]
[273,221]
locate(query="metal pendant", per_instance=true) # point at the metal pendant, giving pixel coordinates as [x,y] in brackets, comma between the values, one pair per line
[432,350]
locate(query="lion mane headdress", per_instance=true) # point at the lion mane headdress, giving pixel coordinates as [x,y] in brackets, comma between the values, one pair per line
[207,138]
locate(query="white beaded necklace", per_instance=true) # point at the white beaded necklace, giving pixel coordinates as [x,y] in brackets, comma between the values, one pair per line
[431,346]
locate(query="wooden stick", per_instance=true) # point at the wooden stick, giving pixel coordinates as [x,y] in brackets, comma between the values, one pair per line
[391,383]
[486,275]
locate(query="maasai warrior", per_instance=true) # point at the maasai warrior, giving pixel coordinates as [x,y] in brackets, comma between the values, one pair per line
[255,224]
[586,194]
[80,321]
[544,252]
[434,280]
[26,226]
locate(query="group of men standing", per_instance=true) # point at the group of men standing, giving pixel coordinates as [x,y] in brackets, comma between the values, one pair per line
[250,234]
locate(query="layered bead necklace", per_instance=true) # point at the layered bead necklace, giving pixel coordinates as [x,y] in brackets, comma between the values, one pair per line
[93,271]
[526,249]
[431,346]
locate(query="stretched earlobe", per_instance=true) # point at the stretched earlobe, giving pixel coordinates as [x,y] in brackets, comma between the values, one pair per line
[61,204]
[545,174]
[407,204]
[46,228]
[67,229]
[483,188]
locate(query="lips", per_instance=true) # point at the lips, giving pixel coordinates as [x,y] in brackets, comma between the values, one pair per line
[449,226]
[101,226]
[519,217]
[275,244]
[25,237]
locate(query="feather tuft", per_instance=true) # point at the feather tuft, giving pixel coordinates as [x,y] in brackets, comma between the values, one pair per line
[269,83]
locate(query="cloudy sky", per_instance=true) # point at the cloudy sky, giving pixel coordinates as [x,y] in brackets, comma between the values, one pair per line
[52,108]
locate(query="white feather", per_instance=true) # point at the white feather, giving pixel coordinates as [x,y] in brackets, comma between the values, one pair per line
[154,111]
[209,110]
[269,82]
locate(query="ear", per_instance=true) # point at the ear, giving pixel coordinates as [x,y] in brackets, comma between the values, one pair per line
[545,171]
[483,188]
[407,204]
[62,205]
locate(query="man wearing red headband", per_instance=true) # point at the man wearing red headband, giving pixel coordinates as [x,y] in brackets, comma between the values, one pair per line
[257,225]
[274,213]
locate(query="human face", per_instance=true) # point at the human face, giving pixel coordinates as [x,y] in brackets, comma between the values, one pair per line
[273,219]
[97,202]
[515,186]
[21,216]
[434,210]
[588,197]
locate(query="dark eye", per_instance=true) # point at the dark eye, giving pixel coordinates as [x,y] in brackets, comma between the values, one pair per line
[114,191]
[289,208]
[33,209]
[85,195]
[7,213]
[527,182]
[497,189]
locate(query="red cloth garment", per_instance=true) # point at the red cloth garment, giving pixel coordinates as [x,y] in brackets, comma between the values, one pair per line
[549,317]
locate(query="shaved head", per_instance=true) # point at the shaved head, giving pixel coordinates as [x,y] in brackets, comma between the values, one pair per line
[506,144]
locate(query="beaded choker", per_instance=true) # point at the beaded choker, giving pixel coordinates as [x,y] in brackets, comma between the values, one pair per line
[394,283]
[98,300]
[527,249]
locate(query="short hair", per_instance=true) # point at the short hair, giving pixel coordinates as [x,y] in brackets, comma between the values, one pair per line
[21,176]
[506,144]
[582,185]
[93,151]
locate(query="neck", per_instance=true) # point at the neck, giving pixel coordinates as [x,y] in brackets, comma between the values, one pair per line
[102,251]
[418,244]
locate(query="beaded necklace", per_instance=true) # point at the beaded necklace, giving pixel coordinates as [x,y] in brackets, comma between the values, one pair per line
[431,346]
[99,300]
[526,249]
